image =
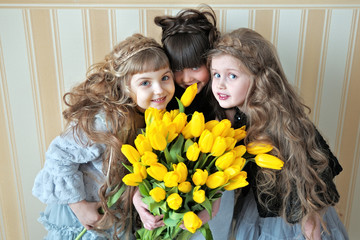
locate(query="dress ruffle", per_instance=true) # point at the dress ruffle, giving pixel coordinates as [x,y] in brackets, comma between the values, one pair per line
[251,226]
[62,224]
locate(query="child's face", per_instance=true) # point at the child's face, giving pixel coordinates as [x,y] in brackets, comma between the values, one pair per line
[230,81]
[152,89]
[188,76]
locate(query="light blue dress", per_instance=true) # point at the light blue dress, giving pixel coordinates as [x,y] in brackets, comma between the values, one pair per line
[251,226]
[72,172]
[220,224]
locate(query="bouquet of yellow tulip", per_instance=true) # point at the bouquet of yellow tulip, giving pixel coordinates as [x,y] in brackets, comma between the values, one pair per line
[181,167]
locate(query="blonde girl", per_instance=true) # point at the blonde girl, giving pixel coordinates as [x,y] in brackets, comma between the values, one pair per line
[83,165]
[250,87]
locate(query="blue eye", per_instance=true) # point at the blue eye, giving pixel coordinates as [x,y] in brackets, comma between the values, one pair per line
[216,75]
[165,78]
[195,68]
[232,76]
[145,83]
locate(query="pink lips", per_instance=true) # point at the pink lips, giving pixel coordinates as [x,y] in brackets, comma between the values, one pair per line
[222,96]
[159,100]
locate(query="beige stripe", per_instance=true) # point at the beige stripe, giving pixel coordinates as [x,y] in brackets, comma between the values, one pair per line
[275,26]
[58,62]
[47,75]
[152,29]
[262,20]
[112,22]
[9,174]
[347,155]
[35,85]
[312,56]
[87,38]
[100,35]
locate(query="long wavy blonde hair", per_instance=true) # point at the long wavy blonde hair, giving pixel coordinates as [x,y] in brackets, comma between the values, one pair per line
[277,115]
[107,90]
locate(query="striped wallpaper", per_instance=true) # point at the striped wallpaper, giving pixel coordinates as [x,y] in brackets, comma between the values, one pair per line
[46,48]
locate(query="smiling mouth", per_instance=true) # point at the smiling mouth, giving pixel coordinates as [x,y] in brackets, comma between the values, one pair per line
[159,100]
[222,96]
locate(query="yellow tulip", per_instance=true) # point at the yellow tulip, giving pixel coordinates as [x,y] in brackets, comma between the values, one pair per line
[157,171]
[197,124]
[193,152]
[132,179]
[130,153]
[240,133]
[174,201]
[180,121]
[185,187]
[268,161]
[238,181]
[225,160]
[256,148]
[239,151]
[182,170]
[217,179]
[230,142]
[189,95]
[219,146]
[174,113]
[158,194]
[198,195]
[171,132]
[152,114]
[186,131]
[157,141]
[192,222]
[171,179]
[149,158]
[211,124]
[206,141]
[232,171]
[222,128]
[142,144]
[239,161]
[167,118]
[140,169]
[231,133]
[199,177]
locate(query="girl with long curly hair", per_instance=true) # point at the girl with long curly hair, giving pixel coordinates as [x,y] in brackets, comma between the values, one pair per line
[83,167]
[250,88]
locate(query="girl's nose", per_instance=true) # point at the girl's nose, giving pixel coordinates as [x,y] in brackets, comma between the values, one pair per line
[158,89]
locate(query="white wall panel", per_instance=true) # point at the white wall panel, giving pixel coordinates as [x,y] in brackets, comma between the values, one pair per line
[127,23]
[21,101]
[72,46]
[332,87]
[288,41]
[236,18]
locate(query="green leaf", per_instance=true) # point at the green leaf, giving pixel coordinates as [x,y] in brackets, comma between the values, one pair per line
[180,158]
[184,235]
[128,167]
[113,199]
[208,206]
[206,232]
[175,215]
[168,156]
[171,222]
[144,188]
[181,106]
[176,148]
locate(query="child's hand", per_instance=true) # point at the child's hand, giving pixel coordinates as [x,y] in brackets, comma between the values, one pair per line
[204,215]
[150,221]
[86,212]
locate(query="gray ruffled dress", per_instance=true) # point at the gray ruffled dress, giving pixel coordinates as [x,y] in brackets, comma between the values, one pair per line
[72,172]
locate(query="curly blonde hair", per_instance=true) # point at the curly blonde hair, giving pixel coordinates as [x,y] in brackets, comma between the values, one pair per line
[276,115]
[107,90]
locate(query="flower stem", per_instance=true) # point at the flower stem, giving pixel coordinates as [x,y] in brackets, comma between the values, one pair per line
[81,234]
